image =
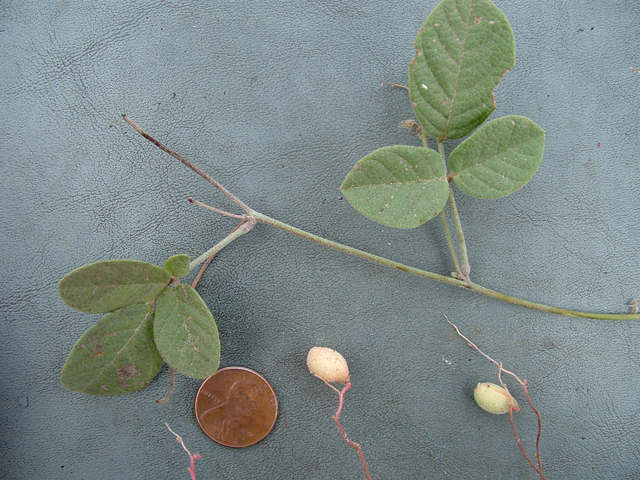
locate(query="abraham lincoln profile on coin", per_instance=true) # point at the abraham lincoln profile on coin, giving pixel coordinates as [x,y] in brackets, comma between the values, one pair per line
[234,418]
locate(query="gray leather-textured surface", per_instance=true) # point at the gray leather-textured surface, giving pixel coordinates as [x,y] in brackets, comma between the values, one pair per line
[278,100]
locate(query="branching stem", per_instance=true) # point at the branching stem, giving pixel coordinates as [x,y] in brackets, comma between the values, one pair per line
[522,383]
[465,268]
[336,418]
[253,216]
[217,210]
[244,227]
[187,163]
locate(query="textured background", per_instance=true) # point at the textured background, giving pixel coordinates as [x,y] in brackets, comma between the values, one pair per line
[278,100]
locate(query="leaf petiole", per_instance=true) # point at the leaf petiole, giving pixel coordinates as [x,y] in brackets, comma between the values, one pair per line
[465,267]
[243,228]
[450,242]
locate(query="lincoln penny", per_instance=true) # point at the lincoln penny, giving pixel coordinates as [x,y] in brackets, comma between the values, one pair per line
[236,407]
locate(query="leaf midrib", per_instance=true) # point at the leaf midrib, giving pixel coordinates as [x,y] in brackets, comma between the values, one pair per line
[117,355]
[464,51]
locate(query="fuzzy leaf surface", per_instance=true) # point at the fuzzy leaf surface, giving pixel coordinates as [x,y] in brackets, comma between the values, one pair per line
[115,356]
[399,186]
[462,51]
[185,332]
[499,158]
[178,265]
[104,287]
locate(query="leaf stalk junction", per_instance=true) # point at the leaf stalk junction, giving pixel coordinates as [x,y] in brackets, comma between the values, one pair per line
[251,217]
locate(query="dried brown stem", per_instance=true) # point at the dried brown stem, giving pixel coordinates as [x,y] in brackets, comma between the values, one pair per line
[217,210]
[395,85]
[172,387]
[203,268]
[187,163]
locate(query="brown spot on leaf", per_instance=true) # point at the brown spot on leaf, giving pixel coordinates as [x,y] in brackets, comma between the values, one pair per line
[477,20]
[95,339]
[444,101]
[125,373]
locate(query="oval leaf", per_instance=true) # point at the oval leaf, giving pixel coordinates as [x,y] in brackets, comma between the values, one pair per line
[178,265]
[115,356]
[398,186]
[499,158]
[185,333]
[462,51]
[107,286]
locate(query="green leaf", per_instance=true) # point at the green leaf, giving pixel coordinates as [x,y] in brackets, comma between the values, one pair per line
[107,286]
[462,51]
[178,265]
[115,356]
[398,186]
[185,333]
[499,158]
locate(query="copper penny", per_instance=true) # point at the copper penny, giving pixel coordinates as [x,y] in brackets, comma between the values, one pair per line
[236,407]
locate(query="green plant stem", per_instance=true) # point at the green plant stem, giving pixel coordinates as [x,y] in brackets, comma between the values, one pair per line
[244,228]
[423,137]
[259,217]
[466,268]
[450,242]
[253,216]
[454,256]
[469,285]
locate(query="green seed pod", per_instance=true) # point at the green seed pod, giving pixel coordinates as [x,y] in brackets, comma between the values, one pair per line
[494,399]
[328,364]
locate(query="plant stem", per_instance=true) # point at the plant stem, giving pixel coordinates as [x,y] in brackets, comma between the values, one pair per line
[259,217]
[243,228]
[450,242]
[253,216]
[172,387]
[469,285]
[466,268]
[192,457]
[522,383]
[351,443]
[452,250]
[423,137]
[187,163]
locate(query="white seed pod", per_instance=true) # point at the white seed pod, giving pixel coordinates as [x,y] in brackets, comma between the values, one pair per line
[328,364]
[494,399]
